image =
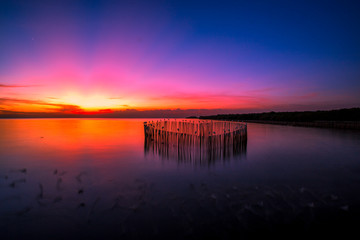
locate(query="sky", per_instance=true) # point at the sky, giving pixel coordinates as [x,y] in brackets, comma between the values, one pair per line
[177,58]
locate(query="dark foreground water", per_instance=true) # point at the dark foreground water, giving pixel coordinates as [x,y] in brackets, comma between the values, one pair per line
[95,178]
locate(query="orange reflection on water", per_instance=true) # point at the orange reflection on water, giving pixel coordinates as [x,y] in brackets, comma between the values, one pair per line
[68,137]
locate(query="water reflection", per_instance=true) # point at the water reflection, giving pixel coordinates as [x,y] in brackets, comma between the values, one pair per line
[198,151]
[88,178]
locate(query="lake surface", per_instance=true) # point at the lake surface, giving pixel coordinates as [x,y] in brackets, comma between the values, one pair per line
[94,178]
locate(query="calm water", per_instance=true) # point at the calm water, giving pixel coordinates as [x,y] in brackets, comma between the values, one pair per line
[94,178]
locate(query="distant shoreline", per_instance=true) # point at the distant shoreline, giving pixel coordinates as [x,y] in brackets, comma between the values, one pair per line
[341,118]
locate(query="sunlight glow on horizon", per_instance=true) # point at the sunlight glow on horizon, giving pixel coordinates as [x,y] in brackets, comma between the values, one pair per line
[90,102]
[71,57]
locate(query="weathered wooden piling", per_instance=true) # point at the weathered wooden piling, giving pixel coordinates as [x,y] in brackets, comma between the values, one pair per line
[195,140]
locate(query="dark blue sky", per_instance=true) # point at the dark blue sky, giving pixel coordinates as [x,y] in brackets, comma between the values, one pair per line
[245,55]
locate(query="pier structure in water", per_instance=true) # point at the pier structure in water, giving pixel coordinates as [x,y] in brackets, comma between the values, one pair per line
[195,140]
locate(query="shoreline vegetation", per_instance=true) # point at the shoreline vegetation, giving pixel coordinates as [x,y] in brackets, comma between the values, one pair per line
[341,118]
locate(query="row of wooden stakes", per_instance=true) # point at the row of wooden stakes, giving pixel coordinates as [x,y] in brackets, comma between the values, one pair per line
[203,128]
[195,140]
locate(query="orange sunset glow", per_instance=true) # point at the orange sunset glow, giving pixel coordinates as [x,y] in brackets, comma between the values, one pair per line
[54,61]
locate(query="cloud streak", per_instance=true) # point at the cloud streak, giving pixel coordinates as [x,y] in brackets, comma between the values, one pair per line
[61,107]
[17,86]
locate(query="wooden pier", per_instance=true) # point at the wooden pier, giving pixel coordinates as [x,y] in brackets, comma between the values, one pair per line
[195,140]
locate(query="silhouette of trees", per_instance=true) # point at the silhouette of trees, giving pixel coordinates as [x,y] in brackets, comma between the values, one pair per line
[350,114]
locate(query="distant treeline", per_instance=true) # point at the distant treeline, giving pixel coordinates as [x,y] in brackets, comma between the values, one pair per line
[351,114]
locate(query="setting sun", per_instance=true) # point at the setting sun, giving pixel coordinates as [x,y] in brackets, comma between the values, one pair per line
[90,102]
